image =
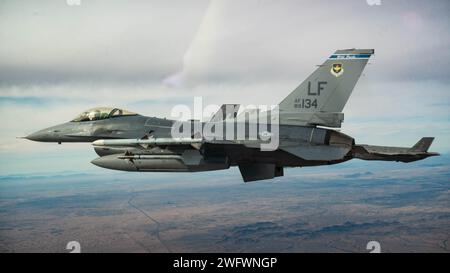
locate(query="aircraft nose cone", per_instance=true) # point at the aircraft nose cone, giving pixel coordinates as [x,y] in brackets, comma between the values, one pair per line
[37,136]
[51,134]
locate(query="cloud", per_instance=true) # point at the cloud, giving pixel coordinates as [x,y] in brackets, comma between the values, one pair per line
[216,41]
[254,40]
[50,41]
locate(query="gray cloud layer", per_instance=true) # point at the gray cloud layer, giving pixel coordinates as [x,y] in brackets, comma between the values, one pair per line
[225,41]
[50,41]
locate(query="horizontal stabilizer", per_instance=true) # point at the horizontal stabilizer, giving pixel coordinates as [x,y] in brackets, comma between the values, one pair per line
[418,152]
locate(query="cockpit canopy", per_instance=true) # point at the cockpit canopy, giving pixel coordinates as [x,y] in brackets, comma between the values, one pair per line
[102,113]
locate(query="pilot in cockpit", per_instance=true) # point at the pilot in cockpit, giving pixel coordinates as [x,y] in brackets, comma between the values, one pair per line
[101,113]
[94,115]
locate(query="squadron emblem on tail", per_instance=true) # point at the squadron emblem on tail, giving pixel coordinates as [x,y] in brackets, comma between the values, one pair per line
[337,70]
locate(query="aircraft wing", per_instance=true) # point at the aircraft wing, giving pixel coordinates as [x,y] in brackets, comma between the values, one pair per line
[417,152]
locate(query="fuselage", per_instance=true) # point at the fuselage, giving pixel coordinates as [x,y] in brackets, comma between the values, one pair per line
[127,141]
[138,126]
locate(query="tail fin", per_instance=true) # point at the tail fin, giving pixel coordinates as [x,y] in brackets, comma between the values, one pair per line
[226,111]
[423,145]
[319,100]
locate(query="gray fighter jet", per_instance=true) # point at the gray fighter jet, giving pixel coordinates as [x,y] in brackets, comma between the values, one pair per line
[303,120]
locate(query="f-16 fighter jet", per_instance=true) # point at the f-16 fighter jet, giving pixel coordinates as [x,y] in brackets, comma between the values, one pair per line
[297,133]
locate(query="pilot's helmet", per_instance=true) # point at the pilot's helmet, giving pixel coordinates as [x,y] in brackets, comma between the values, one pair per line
[94,115]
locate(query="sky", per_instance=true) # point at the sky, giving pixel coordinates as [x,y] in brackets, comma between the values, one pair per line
[58,59]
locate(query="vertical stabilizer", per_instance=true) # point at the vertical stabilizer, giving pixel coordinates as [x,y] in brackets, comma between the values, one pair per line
[319,100]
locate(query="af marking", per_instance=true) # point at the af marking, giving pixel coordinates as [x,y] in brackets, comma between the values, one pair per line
[310,103]
[320,87]
[305,103]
